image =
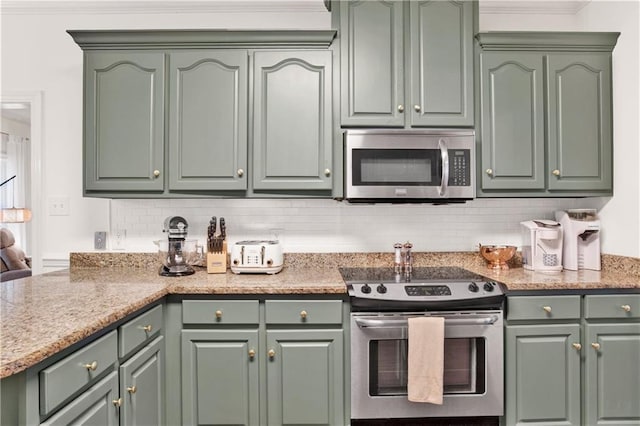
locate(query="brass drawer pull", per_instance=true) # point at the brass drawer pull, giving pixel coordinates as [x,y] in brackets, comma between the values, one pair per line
[147,328]
[303,315]
[547,309]
[271,353]
[252,353]
[92,367]
[626,308]
[400,108]
[577,346]
[219,314]
[117,402]
[132,389]
[596,346]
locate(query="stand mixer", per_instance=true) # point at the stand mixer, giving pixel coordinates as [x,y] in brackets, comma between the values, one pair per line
[174,258]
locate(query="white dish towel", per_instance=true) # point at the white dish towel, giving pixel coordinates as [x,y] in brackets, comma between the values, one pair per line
[426,360]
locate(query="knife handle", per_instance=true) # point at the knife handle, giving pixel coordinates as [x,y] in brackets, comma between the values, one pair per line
[223,228]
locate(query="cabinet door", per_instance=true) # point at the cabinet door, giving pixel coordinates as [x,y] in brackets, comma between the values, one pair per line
[372,70]
[441,54]
[612,374]
[579,123]
[304,377]
[124,124]
[208,120]
[542,374]
[512,119]
[220,377]
[93,407]
[292,133]
[141,386]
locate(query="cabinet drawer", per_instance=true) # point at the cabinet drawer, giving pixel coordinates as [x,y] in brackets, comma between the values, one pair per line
[612,306]
[543,307]
[303,311]
[62,379]
[139,330]
[220,312]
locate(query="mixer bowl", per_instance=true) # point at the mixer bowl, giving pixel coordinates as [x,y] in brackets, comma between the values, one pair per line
[497,256]
[178,252]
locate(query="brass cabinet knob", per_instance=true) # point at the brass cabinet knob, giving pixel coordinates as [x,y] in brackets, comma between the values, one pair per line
[577,346]
[556,172]
[147,328]
[132,389]
[240,172]
[596,346]
[489,172]
[218,314]
[252,353]
[117,402]
[271,353]
[547,309]
[156,173]
[92,367]
[417,108]
[400,108]
[327,172]
[303,314]
[626,308]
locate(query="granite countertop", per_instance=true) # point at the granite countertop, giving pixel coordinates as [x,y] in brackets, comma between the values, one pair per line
[44,314]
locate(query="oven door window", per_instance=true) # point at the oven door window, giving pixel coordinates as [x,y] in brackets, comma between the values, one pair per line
[464,365]
[407,167]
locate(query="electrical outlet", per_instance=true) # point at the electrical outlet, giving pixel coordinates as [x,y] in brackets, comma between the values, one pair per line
[59,206]
[118,238]
[100,240]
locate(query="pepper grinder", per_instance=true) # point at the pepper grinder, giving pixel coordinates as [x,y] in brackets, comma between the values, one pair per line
[408,258]
[397,263]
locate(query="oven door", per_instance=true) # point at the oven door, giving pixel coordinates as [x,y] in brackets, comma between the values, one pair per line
[473,366]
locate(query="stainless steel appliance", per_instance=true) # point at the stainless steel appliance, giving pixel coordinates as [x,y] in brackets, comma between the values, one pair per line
[409,165]
[175,254]
[382,301]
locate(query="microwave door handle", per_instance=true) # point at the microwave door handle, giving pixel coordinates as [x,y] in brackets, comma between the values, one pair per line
[444,154]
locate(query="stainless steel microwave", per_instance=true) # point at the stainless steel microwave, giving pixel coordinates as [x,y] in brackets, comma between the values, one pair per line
[435,165]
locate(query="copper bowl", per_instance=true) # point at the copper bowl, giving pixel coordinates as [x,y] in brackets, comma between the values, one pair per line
[497,256]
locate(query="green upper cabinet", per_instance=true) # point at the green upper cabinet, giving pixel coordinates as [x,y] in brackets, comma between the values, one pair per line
[512,120]
[545,114]
[208,120]
[580,121]
[425,81]
[208,113]
[124,121]
[292,122]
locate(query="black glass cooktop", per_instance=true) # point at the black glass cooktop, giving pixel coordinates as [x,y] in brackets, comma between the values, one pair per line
[418,274]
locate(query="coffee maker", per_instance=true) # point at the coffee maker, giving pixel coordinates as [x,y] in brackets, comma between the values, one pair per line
[173,256]
[581,239]
[542,245]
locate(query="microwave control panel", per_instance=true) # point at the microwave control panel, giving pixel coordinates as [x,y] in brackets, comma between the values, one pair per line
[459,167]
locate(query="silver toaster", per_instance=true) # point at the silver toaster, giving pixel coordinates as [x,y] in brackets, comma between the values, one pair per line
[257,257]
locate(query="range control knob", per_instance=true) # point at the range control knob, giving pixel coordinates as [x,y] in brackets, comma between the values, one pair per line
[473,287]
[381,289]
[365,289]
[488,286]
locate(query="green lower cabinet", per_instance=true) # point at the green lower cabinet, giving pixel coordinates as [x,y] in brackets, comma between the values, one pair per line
[93,407]
[612,374]
[542,374]
[305,377]
[220,377]
[141,385]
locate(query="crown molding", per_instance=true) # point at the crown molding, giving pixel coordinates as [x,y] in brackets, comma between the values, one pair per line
[53,7]
[558,7]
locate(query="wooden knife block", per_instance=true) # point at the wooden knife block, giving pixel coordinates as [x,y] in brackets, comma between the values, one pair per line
[217,262]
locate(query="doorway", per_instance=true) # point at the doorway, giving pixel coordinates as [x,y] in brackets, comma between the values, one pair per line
[25,109]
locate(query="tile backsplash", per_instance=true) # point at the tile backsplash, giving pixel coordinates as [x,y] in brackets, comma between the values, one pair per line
[320,225]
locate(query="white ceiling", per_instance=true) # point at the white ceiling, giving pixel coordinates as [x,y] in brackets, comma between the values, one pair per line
[22,115]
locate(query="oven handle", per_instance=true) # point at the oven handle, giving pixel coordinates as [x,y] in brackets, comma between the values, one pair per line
[444,154]
[403,322]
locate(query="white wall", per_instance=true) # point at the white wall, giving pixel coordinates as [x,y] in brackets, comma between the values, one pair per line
[38,55]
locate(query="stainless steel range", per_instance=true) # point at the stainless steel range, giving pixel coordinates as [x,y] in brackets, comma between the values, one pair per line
[382,302]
